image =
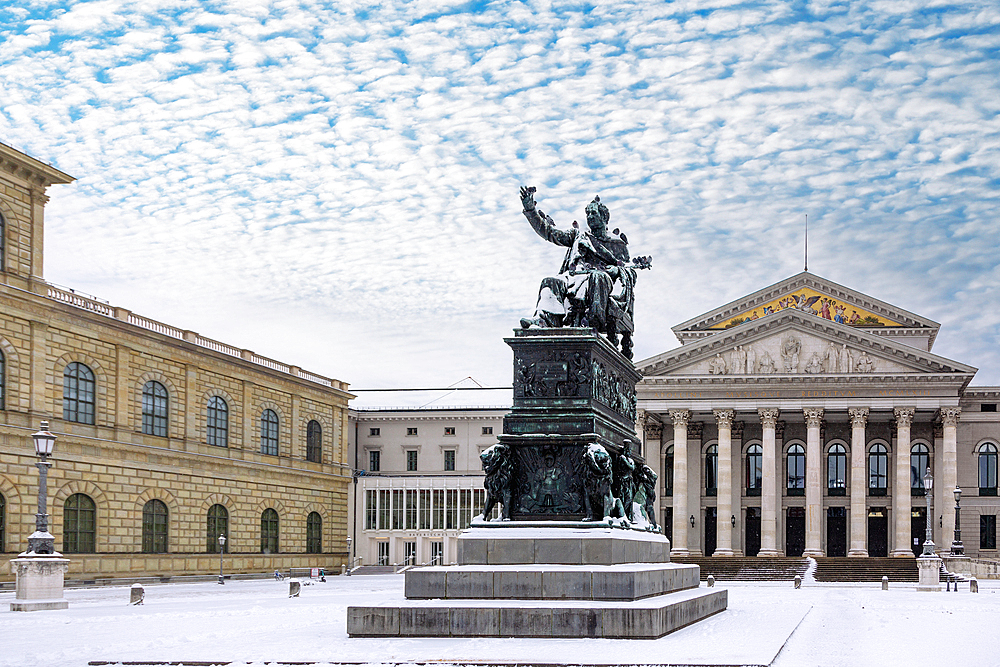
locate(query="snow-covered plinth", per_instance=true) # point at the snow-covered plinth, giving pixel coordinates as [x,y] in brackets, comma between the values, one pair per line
[513,543]
[39,582]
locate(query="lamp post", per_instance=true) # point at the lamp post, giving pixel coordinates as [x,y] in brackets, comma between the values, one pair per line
[222,549]
[957,548]
[41,541]
[350,561]
[929,539]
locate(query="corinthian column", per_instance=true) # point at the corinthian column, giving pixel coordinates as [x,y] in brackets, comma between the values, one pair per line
[814,492]
[680,499]
[949,468]
[901,490]
[769,486]
[859,482]
[724,499]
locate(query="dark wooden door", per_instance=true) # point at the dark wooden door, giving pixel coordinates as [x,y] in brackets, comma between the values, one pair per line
[752,531]
[878,533]
[668,524]
[795,532]
[918,529]
[836,531]
[710,527]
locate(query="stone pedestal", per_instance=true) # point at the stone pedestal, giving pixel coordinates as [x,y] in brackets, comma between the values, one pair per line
[39,582]
[929,569]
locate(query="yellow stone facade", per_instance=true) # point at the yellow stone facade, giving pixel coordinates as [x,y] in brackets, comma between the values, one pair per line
[44,328]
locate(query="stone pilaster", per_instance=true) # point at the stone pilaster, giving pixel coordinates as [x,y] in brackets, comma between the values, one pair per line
[724,499]
[769,500]
[948,455]
[680,505]
[814,491]
[859,484]
[901,485]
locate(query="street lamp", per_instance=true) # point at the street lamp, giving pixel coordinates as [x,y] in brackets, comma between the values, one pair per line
[957,548]
[222,548]
[350,561]
[929,539]
[41,541]
[692,520]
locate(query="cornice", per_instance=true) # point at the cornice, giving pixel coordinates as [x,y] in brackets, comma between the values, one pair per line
[29,170]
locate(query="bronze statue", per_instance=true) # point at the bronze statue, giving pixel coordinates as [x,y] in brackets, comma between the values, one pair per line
[623,485]
[647,480]
[598,500]
[497,466]
[582,294]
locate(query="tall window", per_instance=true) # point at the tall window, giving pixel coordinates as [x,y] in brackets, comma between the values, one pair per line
[269,432]
[712,470]
[374,460]
[218,524]
[314,442]
[217,424]
[988,469]
[154,527]
[3,516]
[78,393]
[987,531]
[3,243]
[314,533]
[796,479]
[755,470]
[449,460]
[836,470]
[154,409]
[3,377]
[269,532]
[411,460]
[878,464]
[79,524]
[920,460]
[668,472]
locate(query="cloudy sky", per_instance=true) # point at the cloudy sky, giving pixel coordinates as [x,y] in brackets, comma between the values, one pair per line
[335,185]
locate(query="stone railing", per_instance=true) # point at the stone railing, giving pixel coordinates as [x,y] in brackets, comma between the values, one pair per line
[103,308]
[981,568]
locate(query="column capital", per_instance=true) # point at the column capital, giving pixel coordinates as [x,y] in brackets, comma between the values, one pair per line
[949,416]
[814,416]
[904,416]
[768,417]
[695,430]
[737,430]
[680,417]
[724,418]
[859,416]
[779,431]
[654,429]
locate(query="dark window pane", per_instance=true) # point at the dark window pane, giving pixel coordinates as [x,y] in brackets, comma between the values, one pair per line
[154,527]
[269,432]
[449,460]
[154,409]
[374,460]
[987,531]
[218,524]
[217,424]
[314,533]
[269,532]
[314,442]
[78,393]
[79,524]
[411,460]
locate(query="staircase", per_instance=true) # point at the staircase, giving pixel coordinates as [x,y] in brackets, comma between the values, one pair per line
[747,569]
[373,569]
[866,569]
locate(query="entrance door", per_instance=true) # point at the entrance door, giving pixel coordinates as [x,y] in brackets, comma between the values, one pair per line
[836,531]
[918,529]
[795,532]
[383,553]
[668,524]
[710,515]
[753,531]
[878,533]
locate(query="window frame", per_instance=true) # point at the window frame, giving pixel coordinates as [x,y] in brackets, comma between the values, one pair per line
[270,429]
[922,454]
[314,533]
[155,527]
[155,409]
[269,531]
[668,471]
[878,452]
[754,459]
[411,430]
[449,460]
[836,470]
[987,531]
[374,460]
[213,520]
[449,430]
[712,470]
[79,538]
[988,453]
[79,393]
[217,422]
[795,485]
[487,430]
[314,442]
[412,459]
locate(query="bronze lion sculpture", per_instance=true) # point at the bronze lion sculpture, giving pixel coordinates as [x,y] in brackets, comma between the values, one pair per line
[497,466]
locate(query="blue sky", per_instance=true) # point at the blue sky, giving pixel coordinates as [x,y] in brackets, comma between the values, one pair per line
[335,185]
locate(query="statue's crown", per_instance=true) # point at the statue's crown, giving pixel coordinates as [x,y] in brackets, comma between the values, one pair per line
[597,207]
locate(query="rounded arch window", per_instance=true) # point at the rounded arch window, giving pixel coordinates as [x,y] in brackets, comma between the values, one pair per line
[154,527]
[269,531]
[668,471]
[78,393]
[3,380]
[3,525]
[217,423]
[314,442]
[79,524]
[836,470]
[154,409]
[795,465]
[988,469]
[878,467]
[754,470]
[314,533]
[920,461]
[269,432]
[712,470]
[218,524]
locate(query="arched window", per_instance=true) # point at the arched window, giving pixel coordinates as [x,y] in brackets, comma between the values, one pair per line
[78,393]
[878,464]
[712,470]
[3,243]
[269,432]
[3,529]
[154,527]
[154,409]
[269,532]
[754,470]
[987,469]
[218,524]
[668,471]
[217,425]
[796,467]
[3,382]
[920,461]
[314,442]
[836,470]
[79,524]
[314,533]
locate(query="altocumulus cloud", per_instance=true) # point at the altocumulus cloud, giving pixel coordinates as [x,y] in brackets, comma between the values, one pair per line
[336,185]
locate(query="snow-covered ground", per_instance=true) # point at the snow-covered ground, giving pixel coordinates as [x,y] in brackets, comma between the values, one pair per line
[247,622]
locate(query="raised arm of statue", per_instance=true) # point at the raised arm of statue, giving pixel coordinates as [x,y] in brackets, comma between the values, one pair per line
[543,225]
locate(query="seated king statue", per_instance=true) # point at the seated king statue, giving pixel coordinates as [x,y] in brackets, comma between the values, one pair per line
[583,294]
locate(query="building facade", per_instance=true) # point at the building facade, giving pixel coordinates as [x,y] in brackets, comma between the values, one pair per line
[419,480]
[166,439]
[801,419]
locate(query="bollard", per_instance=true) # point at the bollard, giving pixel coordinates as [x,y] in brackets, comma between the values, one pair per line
[947,584]
[343,568]
[885,583]
[710,581]
[136,594]
[956,583]
[798,581]
[973,585]
[293,588]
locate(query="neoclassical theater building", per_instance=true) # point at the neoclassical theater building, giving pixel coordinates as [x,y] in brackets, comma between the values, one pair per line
[165,438]
[800,420]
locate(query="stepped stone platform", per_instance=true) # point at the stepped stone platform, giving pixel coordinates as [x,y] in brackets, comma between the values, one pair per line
[566,579]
